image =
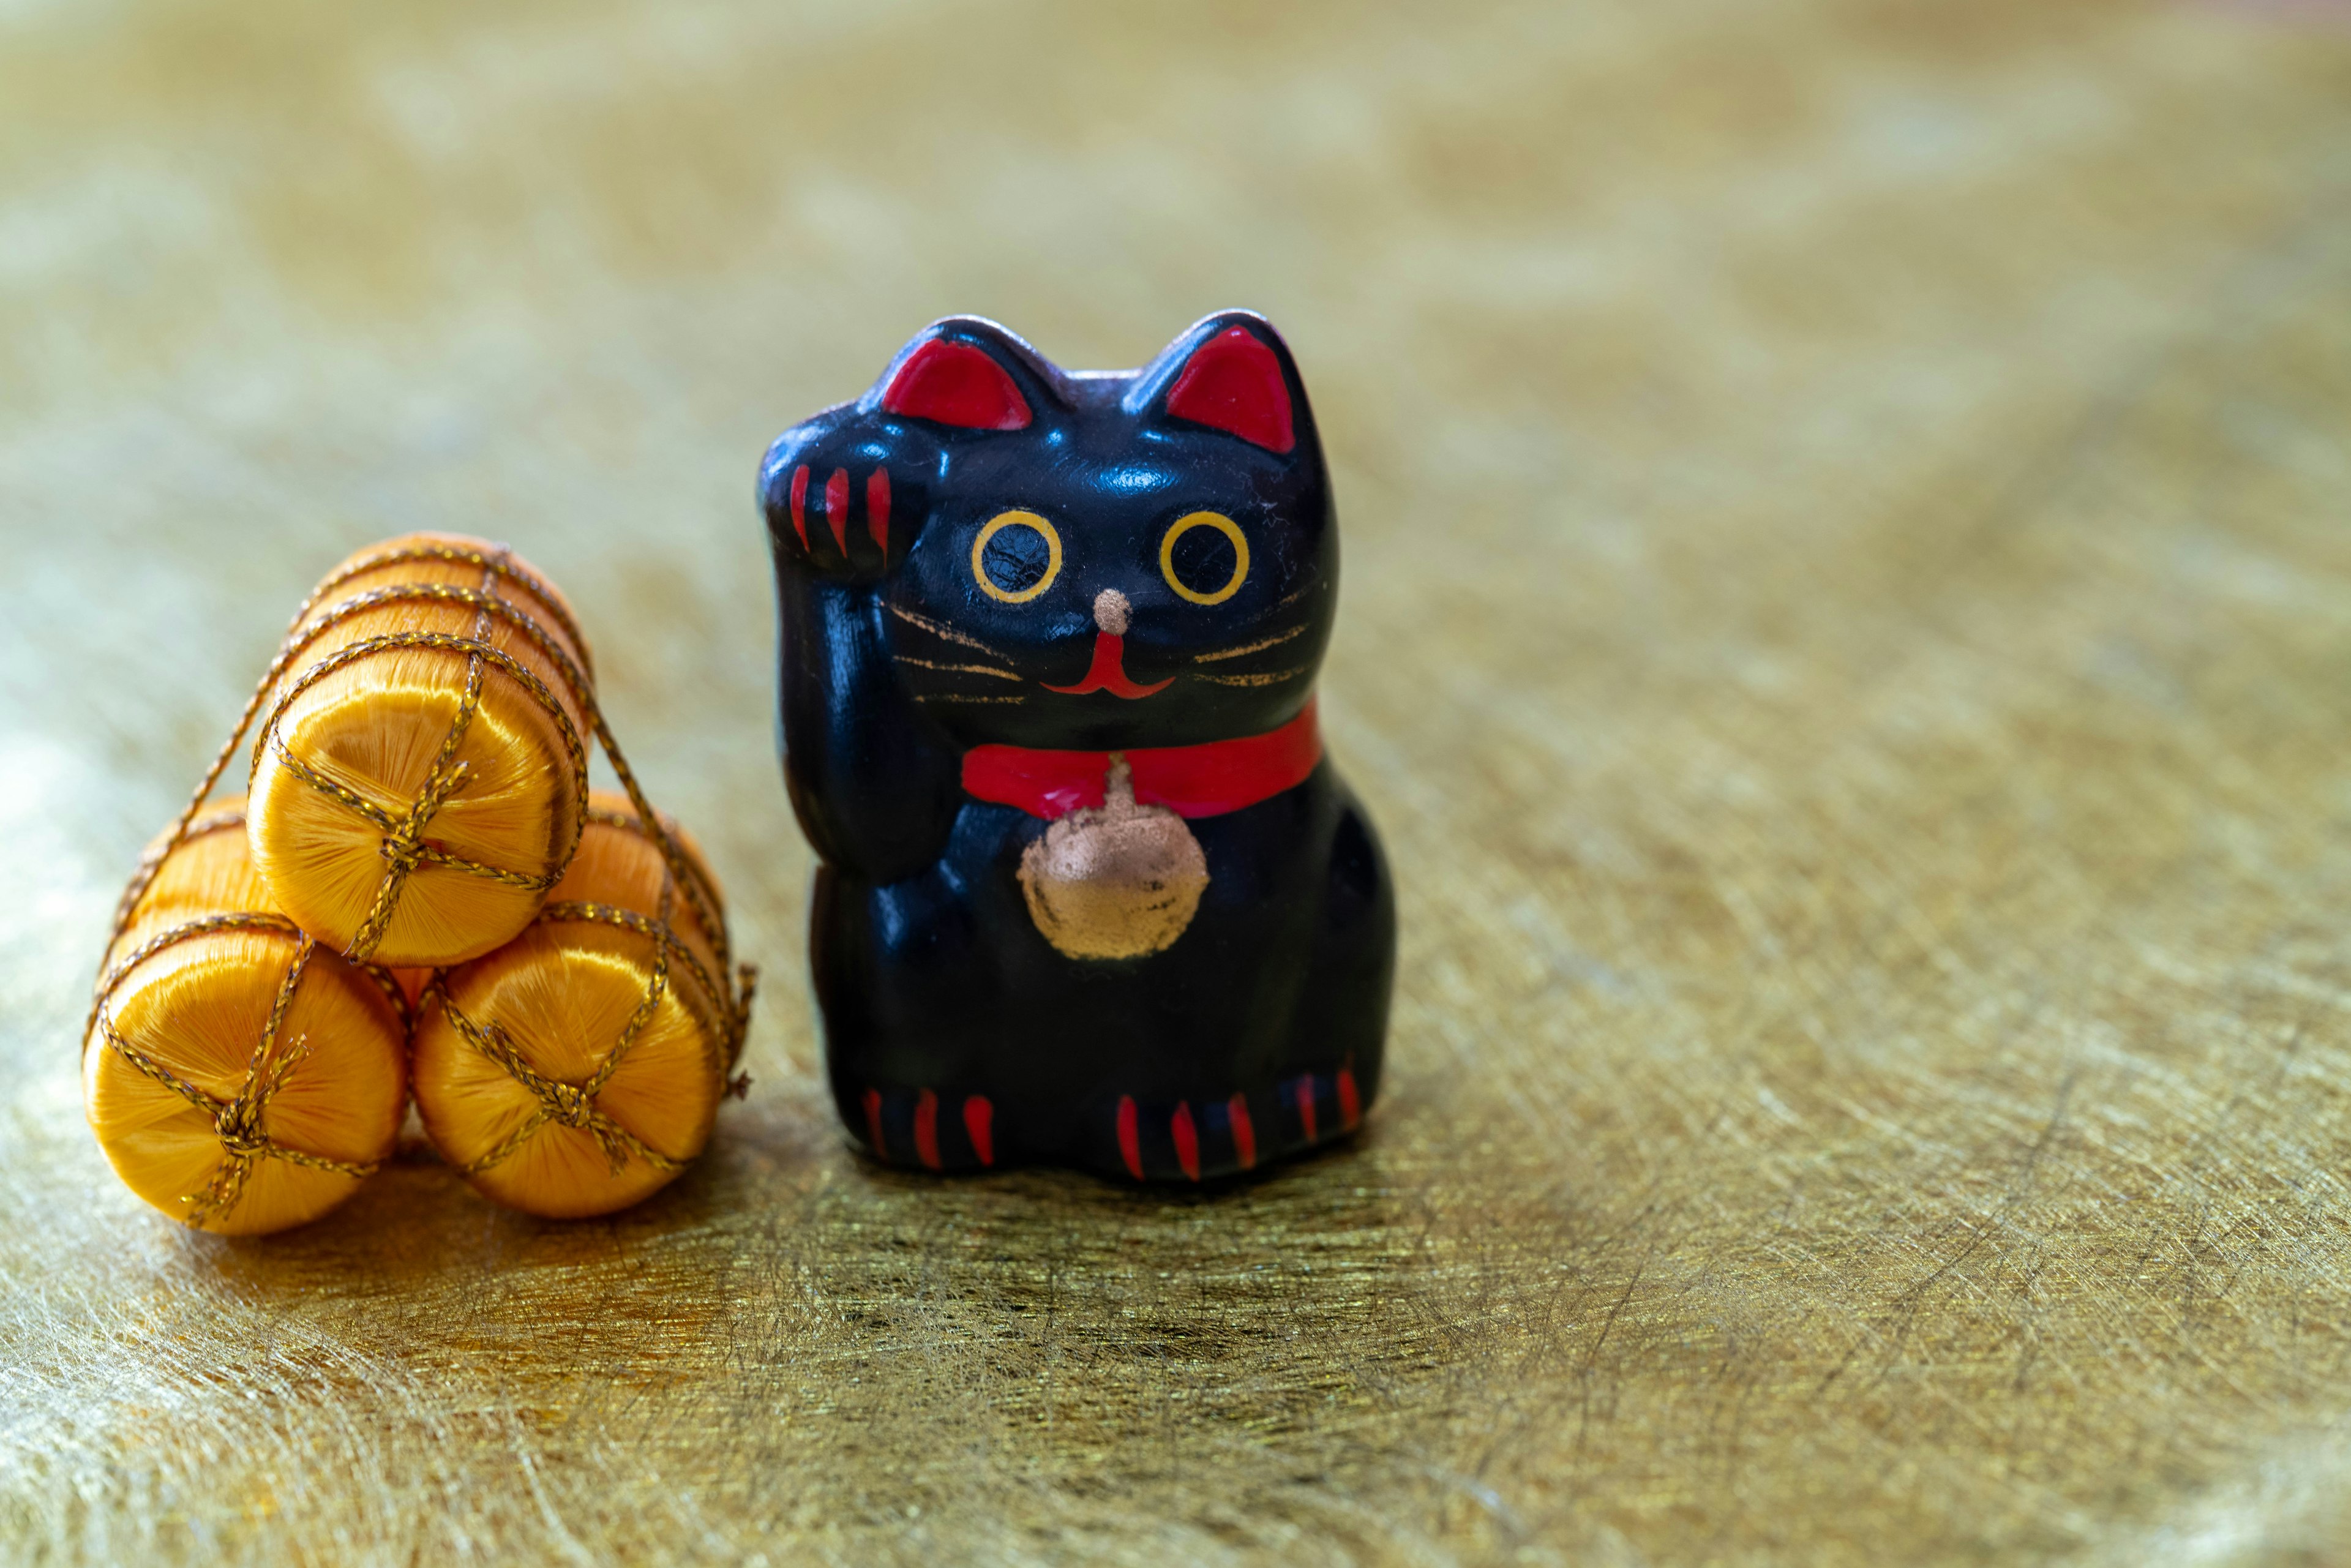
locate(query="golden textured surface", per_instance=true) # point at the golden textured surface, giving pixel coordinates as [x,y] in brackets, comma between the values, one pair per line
[1847,613]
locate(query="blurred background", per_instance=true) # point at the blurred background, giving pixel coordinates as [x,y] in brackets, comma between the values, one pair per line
[1847,593]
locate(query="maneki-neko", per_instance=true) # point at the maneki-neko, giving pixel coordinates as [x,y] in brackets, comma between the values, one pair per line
[1091,894]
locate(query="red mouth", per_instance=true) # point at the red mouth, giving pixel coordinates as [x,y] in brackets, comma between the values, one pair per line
[1107,673]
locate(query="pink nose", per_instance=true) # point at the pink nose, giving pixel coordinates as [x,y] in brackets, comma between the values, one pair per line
[1112,610]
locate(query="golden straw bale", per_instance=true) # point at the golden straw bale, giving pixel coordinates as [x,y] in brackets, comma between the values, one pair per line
[420,771]
[577,1070]
[239,1076]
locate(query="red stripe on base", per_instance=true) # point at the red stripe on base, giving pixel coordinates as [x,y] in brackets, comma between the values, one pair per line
[874,1122]
[926,1129]
[1351,1110]
[799,503]
[877,508]
[979,1120]
[1244,1133]
[1187,1142]
[836,508]
[1130,1148]
[1306,1105]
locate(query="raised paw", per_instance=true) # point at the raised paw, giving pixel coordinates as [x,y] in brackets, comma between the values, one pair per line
[923,1129]
[845,494]
[836,513]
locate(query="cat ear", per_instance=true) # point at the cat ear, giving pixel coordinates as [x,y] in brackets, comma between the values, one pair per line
[1226,375]
[964,373]
[954,384]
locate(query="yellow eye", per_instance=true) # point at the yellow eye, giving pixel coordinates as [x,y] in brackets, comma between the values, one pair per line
[1205,567]
[1016,558]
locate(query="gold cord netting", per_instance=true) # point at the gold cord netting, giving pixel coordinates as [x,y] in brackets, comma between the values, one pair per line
[579,1068]
[249,1080]
[419,773]
[419,788]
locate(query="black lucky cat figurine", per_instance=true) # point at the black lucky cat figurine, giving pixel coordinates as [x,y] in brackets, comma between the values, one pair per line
[1091,892]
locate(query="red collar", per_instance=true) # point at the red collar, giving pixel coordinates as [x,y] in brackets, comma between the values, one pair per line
[1205,780]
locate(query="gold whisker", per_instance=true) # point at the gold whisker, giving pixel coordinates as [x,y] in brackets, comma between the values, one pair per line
[1266,680]
[949,633]
[970,669]
[958,697]
[1258,646]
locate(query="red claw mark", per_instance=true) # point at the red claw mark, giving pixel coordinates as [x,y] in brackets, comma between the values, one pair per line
[1187,1142]
[1244,1133]
[1130,1148]
[836,508]
[978,1120]
[1351,1110]
[1109,673]
[877,508]
[927,1130]
[874,1122]
[1306,1105]
[799,503]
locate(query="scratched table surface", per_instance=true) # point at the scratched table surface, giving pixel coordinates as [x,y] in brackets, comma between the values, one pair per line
[1845,633]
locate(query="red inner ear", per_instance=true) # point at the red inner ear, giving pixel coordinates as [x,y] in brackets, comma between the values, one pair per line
[1234,383]
[955,383]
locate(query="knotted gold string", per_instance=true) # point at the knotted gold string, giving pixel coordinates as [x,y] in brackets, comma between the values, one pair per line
[498,562]
[403,847]
[297,640]
[574,1104]
[237,1120]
